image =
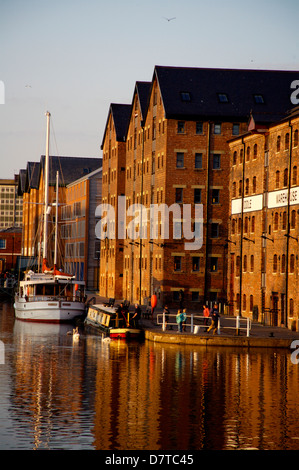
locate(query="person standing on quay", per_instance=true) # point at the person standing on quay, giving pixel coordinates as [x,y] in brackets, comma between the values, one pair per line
[215,319]
[184,314]
[136,316]
[179,320]
[166,313]
[206,314]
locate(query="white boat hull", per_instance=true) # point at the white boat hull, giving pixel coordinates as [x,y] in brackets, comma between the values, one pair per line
[48,310]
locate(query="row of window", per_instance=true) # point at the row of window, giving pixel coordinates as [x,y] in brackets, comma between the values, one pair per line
[255,148]
[136,170]
[249,225]
[4,189]
[136,139]
[74,250]
[215,196]
[246,189]
[278,182]
[180,161]
[279,222]
[216,128]
[251,304]
[286,141]
[279,264]
[77,209]
[177,263]
[178,266]
[178,197]
[72,230]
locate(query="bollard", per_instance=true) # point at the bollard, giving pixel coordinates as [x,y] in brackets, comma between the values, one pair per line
[2,353]
[248,326]
[237,325]
[218,327]
[191,323]
[163,324]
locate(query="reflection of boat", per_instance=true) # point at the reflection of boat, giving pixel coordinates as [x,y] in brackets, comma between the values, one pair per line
[109,321]
[38,332]
[50,296]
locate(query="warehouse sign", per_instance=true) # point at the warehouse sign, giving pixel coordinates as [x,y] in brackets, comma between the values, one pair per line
[250,204]
[280,198]
[275,199]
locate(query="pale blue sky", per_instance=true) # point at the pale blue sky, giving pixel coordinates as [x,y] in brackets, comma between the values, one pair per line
[79,56]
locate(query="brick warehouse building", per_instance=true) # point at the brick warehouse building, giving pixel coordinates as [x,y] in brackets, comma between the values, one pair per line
[79,193]
[263,231]
[175,150]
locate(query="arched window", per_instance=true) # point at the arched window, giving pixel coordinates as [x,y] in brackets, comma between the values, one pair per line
[293,219]
[285,177]
[247,186]
[287,141]
[284,220]
[254,184]
[294,179]
[234,158]
[275,263]
[278,144]
[241,156]
[251,303]
[248,154]
[245,264]
[234,189]
[296,138]
[255,151]
[238,266]
[275,221]
[239,224]
[244,301]
[277,174]
[283,263]
[246,225]
[240,188]
[252,263]
[233,226]
[292,263]
[291,313]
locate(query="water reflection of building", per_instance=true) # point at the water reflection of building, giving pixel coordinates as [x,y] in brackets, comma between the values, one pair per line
[163,397]
[47,385]
[150,396]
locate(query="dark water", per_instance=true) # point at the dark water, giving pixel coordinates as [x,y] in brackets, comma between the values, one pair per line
[55,394]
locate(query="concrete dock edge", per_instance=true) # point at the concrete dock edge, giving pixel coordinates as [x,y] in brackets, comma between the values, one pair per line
[216,340]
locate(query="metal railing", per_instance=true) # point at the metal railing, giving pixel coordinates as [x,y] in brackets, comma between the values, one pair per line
[197,322]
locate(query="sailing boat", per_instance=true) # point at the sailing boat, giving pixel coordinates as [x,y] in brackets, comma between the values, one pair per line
[49,296]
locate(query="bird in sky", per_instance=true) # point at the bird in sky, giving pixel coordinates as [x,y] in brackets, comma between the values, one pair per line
[169,19]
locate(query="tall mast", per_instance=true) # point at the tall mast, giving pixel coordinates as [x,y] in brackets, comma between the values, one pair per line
[45,250]
[56,221]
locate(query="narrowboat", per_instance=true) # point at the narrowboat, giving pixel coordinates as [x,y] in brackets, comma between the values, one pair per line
[109,321]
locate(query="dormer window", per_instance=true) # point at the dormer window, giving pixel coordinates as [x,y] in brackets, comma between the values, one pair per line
[259,99]
[222,97]
[185,96]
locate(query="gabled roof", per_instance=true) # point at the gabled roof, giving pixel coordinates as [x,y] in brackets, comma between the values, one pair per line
[143,89]
[192,93]
[22,182]
[32,175]
[120,115]
[69,168]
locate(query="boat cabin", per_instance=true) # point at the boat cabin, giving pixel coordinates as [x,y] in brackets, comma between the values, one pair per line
[38,287]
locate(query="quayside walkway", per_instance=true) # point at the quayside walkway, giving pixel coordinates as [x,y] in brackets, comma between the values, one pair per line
[259,335]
